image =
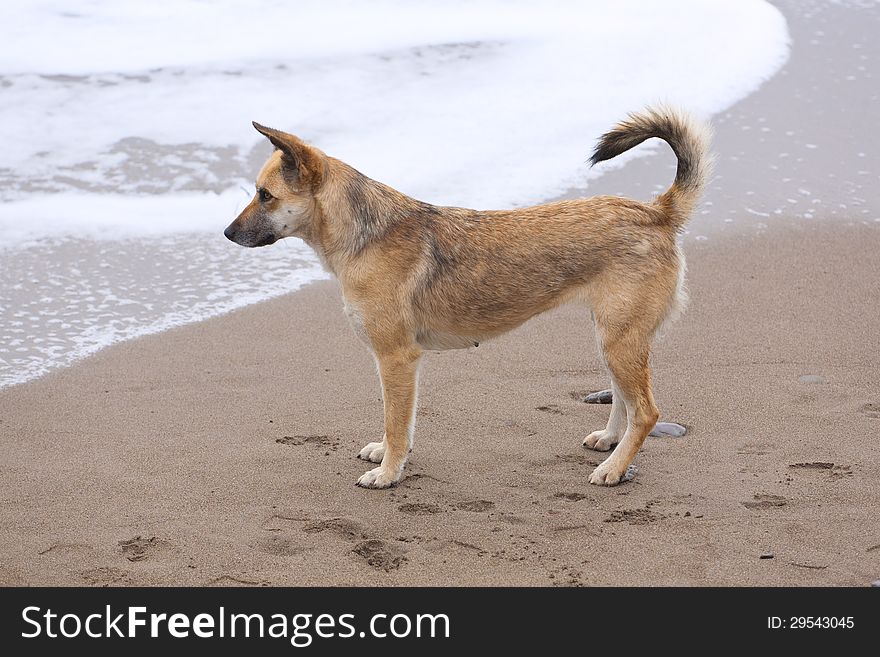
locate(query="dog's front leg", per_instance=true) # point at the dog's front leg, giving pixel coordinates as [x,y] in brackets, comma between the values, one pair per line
[398,369]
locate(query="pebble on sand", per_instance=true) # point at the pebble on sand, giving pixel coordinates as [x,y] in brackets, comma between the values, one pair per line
[601,397]
[662,429]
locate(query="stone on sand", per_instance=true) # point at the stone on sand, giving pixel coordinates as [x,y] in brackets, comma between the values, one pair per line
[662,429]
[600,397]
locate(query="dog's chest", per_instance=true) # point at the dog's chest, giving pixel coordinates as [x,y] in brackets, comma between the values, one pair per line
[429,340]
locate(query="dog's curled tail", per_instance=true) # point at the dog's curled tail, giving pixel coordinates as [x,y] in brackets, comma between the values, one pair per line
[689,139]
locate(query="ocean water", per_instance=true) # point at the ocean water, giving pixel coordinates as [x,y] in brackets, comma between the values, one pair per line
[127,144]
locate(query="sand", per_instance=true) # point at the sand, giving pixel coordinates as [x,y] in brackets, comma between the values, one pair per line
[224,452]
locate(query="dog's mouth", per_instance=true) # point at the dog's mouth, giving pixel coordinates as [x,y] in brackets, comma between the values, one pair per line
[264,240]
[249,238]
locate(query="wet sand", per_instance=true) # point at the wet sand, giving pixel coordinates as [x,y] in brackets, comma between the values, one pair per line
[224,452]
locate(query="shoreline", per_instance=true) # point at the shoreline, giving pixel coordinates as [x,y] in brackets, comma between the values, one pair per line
[223,452]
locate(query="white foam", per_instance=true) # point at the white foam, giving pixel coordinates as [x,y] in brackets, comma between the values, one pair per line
[28,222]
[482,104]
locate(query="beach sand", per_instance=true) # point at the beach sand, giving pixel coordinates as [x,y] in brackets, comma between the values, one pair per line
[223,452]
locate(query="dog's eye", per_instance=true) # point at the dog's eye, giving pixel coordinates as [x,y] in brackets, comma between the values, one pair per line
[265,196]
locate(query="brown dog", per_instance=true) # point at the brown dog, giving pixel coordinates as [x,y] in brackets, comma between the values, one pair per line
[419,277]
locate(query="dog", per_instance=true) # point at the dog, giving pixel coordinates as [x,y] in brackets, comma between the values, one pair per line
[419,277]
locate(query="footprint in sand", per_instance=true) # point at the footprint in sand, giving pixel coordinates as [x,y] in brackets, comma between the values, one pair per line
[550,408]
[380,555]
[325,442]
[871,410]
[765,501]
[346,528]
[833,469]
[140,548]
[279,546]
[103,576]
[419,508]
[476,506]
[565,576]
[571,497]
[634,516]
[813,465]
[512,519]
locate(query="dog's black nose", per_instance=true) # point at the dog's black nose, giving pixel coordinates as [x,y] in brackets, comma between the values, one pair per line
[229,232]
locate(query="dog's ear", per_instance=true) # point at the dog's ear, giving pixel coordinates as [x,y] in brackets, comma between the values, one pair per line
[298,156]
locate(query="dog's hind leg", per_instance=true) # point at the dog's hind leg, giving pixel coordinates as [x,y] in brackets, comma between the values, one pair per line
[604,439]
[398,369]
[633,377]
[625,336]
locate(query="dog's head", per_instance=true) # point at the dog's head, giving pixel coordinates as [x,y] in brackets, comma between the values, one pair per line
[284,203]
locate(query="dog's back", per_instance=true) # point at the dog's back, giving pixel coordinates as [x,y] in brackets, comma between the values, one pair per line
[478,274]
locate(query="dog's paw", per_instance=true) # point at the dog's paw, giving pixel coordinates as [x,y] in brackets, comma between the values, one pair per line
[601,440]
[607,474]
[373,452]
[378,478]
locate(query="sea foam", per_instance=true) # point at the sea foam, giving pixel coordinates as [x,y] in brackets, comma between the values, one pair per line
[129,121]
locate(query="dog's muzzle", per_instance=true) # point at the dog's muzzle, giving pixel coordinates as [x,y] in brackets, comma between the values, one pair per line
[249,238]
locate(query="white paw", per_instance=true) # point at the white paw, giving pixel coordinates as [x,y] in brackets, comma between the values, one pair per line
[607,473]
[373,452]
[378,478]
[601,440]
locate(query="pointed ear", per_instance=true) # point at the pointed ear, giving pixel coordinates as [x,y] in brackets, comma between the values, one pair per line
[280,140]
[305,160]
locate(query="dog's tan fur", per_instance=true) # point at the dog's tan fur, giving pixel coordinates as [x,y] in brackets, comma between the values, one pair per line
[418,277]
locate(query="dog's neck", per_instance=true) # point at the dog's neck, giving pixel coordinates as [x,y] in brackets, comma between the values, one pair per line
[352,212]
